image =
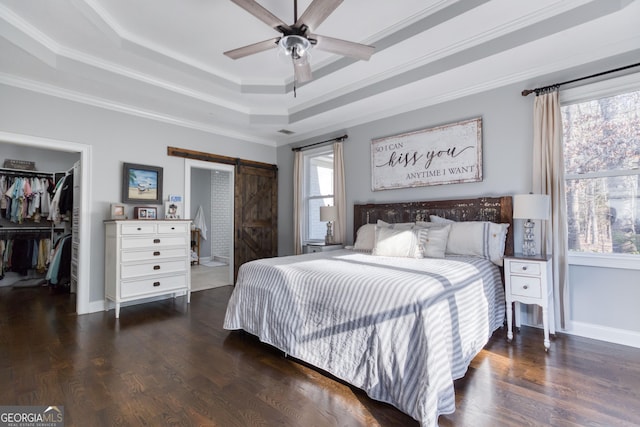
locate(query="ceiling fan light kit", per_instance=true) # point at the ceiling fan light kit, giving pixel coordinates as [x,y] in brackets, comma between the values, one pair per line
[295,46]
[297,40]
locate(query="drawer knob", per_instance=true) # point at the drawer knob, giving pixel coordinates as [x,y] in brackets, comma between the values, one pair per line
[156,240]
[524,268]
[156,253]
[139,228]
[525,287]
[156,284]
[173,228]
[156,267]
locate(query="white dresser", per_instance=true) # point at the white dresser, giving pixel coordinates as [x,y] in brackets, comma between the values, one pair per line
[145,258]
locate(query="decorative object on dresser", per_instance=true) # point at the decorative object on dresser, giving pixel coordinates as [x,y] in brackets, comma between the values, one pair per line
[141,183]
[145,213]
[528,280]
[328,214]
[172,210]
[146,259]
[117,211]
[530,206]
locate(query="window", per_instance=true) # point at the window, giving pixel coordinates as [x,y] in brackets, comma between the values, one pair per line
[602,168]
[318,191]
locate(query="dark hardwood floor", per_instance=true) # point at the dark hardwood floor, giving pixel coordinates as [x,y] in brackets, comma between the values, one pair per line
[166,364]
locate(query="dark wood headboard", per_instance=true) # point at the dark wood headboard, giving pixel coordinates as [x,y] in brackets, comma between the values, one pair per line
[494,209]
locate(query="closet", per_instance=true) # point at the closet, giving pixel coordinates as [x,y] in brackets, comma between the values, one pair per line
[36,228]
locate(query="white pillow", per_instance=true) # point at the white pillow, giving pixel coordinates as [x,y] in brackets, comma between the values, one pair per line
[365,238]
[435,244]
[399,242]
[480,238]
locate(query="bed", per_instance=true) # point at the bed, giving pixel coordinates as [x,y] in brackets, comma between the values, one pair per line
[402,328]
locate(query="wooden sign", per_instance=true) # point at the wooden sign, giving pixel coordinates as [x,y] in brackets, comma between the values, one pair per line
[447,154]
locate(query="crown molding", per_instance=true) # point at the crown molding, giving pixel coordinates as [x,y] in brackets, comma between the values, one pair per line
[94,101]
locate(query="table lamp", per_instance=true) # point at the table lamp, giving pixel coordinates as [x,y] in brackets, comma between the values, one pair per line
[530,206]
[328,214]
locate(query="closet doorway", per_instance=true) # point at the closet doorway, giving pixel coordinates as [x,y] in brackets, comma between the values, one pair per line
[21,145]
[209,203]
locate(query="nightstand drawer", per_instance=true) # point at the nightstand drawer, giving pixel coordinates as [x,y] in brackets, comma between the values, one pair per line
[530,287]
[529,268]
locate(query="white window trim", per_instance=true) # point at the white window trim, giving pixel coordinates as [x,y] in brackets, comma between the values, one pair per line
[596,90]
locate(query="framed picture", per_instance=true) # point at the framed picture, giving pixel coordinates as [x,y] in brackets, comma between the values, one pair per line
[448,154]
[141,183]
[172,210]
[117,211]
[145,213]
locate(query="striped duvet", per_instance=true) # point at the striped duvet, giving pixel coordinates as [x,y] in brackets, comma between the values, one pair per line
[401,329]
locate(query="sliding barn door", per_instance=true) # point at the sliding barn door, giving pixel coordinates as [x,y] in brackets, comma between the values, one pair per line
[256,212]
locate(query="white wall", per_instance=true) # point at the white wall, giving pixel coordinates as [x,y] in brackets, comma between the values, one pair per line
[603,301]
[114,138]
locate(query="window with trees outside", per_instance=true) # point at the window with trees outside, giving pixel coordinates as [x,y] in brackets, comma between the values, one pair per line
[602,170]
[318,191]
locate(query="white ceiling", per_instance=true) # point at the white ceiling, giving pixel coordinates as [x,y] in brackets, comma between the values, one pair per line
[162,59]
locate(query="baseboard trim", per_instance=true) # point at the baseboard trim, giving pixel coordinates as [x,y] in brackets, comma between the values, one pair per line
[605,333]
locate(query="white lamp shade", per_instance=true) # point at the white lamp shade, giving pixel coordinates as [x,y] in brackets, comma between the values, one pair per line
[328,213]
[531,206]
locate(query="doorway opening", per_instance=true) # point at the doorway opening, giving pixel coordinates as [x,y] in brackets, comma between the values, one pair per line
[209,203]
[83,227]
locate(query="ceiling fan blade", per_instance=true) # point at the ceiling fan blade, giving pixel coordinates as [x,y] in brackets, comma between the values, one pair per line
[241,52]
[343,47]
[317,12]
[302,69]
[261,13]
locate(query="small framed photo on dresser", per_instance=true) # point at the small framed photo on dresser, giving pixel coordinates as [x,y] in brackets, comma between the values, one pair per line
[145,213]
[117,211]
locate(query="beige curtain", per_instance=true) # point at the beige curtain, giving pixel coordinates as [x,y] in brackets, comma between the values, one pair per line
[339,197]
[297,202]
[548,178]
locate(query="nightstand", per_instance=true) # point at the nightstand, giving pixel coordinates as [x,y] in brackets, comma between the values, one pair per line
[310,248]
[528,280]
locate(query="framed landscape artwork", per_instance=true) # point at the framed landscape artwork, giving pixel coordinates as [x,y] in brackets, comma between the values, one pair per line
[141,183]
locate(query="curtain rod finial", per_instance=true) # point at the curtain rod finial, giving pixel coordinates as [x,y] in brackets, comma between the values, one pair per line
[527,92]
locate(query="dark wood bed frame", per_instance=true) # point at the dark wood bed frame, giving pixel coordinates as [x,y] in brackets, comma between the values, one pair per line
[494,209]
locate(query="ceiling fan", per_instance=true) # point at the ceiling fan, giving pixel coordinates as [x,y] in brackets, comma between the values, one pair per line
[297,39]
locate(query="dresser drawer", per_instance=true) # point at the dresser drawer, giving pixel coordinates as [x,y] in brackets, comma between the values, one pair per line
[137,229]
[173,228]
[152,286]
[149,268]
[526,286]
[529,268]
[153,254]
[153,242]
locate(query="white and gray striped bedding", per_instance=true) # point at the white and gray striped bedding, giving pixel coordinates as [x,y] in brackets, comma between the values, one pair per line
[402,329]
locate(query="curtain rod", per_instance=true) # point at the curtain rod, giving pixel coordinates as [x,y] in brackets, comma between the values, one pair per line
[540,89]
[304,147]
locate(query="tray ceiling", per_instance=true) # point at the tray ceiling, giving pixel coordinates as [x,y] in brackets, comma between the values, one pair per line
[162,59]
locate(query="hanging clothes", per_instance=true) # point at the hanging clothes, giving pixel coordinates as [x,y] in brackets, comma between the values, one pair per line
[59,272]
